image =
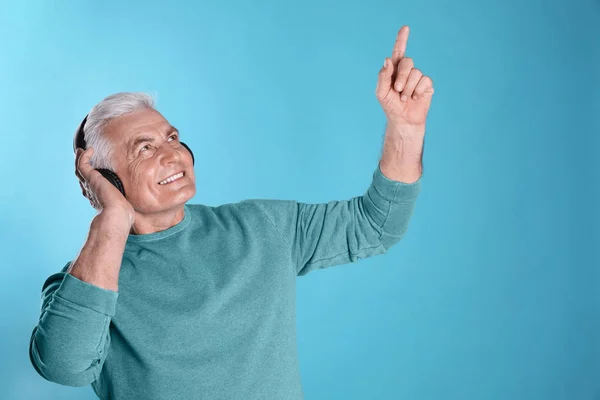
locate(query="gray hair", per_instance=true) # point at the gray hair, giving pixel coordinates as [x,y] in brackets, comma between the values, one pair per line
[111,107]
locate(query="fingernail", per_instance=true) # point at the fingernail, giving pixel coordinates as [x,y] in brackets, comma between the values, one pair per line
[385,63]
[403,97]
[415,97]
[398,87]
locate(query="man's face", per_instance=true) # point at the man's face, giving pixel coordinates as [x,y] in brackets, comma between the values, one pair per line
[146,150]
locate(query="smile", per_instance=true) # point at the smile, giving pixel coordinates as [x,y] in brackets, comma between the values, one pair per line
[171,178]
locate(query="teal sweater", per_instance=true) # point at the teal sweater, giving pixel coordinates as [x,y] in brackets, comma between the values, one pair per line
[206,308]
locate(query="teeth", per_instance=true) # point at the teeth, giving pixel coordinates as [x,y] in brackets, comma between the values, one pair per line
[171,178]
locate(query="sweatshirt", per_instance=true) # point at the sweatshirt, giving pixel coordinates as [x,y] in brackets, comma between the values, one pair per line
[206,309]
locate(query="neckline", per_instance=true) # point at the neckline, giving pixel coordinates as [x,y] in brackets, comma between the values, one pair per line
[148,237]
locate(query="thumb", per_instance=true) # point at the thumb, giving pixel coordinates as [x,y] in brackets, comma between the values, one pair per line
[384,81]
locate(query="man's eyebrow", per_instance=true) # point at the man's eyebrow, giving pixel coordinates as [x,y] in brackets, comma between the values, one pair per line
[142,139]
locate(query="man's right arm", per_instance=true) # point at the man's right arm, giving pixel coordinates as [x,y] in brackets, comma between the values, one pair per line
[71,341]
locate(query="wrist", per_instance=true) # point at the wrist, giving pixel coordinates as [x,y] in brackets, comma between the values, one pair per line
[401,172]
[113,221]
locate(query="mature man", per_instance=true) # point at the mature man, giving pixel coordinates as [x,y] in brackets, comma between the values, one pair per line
[206,295]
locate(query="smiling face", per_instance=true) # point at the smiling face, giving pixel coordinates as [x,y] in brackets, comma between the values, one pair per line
[146,151]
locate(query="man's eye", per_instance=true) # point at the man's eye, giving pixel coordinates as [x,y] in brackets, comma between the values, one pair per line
[174,136]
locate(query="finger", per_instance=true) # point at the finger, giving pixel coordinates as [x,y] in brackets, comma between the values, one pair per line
[83,165]
[425,83]
[400,45]
[91,196]
[404,68]
[411,84]
[83,190]
[384,81]
[77,156]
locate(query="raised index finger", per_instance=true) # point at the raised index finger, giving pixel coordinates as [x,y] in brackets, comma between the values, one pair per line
[400,45]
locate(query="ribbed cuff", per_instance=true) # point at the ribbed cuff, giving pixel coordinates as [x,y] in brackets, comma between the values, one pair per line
[394,191]
[87,295]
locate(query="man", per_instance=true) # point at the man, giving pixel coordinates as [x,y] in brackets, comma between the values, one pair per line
[206,295]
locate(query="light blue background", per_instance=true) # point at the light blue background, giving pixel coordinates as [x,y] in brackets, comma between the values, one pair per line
[493,293]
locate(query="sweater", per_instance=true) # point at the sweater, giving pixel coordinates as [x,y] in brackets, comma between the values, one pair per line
[206,308]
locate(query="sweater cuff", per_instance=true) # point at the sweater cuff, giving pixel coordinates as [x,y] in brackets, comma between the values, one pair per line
[87,295]
[395,191]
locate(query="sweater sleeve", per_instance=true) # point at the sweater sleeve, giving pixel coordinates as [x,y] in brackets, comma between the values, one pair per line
[340,232]
[71,340]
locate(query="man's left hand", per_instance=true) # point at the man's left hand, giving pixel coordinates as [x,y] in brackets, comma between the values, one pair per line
[403,91]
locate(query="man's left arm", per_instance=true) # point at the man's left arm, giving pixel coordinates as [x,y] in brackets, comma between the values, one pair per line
[338,232]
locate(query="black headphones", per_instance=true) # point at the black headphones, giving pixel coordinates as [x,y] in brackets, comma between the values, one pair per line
[79,142]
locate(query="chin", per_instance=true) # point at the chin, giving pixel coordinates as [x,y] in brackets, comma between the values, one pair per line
[181,196]
[167,201]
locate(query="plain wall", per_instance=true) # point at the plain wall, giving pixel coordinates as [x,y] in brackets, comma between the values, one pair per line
[492,294]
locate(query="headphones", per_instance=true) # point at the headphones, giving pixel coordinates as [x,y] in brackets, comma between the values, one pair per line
[79,142]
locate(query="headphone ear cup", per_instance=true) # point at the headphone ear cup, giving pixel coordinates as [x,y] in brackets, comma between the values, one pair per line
[112,178]
[190,150]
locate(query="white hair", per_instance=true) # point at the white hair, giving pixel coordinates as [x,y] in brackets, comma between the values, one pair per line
[111,107]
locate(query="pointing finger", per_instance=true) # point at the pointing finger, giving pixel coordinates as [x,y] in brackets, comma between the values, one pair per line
[400,45]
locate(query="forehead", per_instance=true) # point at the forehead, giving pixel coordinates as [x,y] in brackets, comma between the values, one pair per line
[126,128]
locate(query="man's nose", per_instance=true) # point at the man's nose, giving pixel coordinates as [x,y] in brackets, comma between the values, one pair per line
[169,153]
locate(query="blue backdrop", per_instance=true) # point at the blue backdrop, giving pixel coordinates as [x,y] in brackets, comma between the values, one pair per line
[493,293]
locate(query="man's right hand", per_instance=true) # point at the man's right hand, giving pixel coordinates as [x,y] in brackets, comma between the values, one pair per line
[101,193]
